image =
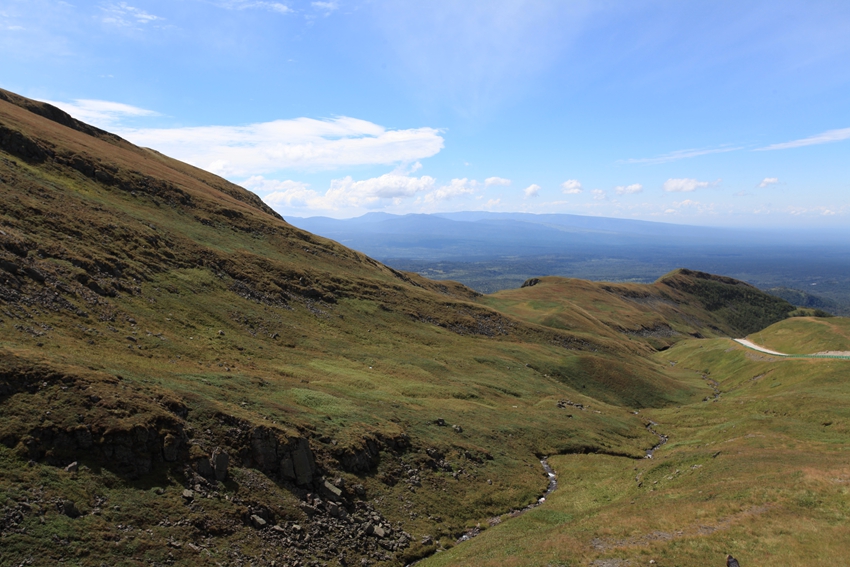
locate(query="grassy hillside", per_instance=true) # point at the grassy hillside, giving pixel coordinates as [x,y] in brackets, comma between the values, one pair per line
[806,335]
[154,317]
[185,378]
[681,304]
[760,471]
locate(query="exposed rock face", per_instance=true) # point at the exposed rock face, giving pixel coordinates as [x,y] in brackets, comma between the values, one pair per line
[273,451]
[220,462]
[365,456]
[131,452]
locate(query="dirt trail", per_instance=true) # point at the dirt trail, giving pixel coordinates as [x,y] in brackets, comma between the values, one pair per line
[754,346]
[825,354]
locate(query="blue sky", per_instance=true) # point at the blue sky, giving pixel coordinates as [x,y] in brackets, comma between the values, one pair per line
[714,113]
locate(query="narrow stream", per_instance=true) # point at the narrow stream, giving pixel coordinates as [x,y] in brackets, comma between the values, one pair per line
[662,439]
[553,485]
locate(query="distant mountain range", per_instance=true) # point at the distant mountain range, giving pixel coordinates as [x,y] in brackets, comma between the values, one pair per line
[475,235]
[493,251]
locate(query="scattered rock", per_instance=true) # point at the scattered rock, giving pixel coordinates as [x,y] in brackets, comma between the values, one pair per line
[258,522]
[73,467]
[457,428]
[376,531]
[188,494]
[331,492]
[69,508]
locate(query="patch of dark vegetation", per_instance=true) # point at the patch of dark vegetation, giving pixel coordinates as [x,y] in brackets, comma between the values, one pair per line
[744,308]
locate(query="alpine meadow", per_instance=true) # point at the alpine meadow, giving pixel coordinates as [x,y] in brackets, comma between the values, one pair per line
[366,283]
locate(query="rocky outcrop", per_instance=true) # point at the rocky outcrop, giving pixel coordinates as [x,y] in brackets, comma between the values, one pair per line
[274,451]
[365,455]
[130,452]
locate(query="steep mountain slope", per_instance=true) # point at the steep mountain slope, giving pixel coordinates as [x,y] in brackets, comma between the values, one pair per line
[185,377]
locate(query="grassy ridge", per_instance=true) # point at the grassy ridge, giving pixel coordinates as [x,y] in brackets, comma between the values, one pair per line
[806,335]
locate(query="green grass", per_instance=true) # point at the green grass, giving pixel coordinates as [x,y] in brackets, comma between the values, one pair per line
[172,306]
[762,474]
[806,335]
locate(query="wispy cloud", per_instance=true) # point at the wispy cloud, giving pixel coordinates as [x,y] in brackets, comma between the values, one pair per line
[824,138]
[686,185]
[300,143]
[691,207]
[496,181]
[767,181]
[102,113]
[277,7]
[571,187]
[598,194]
[531,191]
[125,16]
[628,189]
[681,154]
[326,7]
[455,188]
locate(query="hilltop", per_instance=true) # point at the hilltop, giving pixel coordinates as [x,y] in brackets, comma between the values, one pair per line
[186,377]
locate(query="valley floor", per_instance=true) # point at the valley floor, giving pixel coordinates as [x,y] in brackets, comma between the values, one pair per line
[761,471]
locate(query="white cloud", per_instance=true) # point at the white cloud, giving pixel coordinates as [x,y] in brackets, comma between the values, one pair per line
[687,203]
[304,143]
[102,113]
[390,186]
[598,194]
[681,154]
[326,7]
[299,143]
[496,181]
[281,193]
[123,15]
[531,191]
[686,185]
[571,187]
[492,203]
[344,193]
[456,188]
[824,138]
[277,7]
[391,189]
[628,189]
[768,181]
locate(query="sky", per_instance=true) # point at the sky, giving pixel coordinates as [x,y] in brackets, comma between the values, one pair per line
[718,113]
